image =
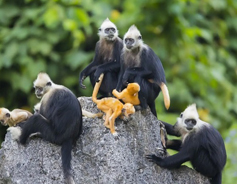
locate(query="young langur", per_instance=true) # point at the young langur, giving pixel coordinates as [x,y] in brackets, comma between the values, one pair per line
[14,117]
[129,94]
[141,65]
[106,59]
[112,107]
[201,144]
[37,108]
[59,120]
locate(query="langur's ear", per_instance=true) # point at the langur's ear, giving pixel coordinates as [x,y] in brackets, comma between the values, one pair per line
[99,29]
[49,84]
[8,115]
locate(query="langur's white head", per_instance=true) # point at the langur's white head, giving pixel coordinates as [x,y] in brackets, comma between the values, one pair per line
[108,30]
[42,84]
[5,115]
[189,120]
[132,39]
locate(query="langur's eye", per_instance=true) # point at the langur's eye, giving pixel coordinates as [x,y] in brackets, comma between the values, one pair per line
[7,115]
[48,84]
[130,40]
[181,115]
[107,29]
[139,37]
[38,88]
[194,122]
[113,29]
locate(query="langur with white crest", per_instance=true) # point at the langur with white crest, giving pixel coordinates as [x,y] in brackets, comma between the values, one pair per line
[57,118]
[106,59]
[141,65]
[201,144]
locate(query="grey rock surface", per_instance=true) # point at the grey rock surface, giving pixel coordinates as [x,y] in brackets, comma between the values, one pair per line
[98,156]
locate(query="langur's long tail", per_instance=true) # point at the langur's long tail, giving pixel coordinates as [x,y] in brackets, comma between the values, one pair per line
[91,115]
[96,88]
[165,93]
[66,150]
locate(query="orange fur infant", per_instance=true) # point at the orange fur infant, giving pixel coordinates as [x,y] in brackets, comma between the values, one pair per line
[13,117]
[112,107]
[129,94]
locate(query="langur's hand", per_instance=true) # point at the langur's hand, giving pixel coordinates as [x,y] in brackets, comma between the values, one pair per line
[155,159]
[81,82]
[125,82]
[97,74]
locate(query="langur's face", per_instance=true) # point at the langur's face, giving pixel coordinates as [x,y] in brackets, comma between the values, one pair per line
[128,109]
[108,30]
[42,84]
[132,39]
[132,43]
[108,33]
[41,90]
[188,119]
[5,115]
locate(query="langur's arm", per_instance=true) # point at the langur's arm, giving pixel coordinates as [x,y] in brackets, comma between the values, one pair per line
[120,83]
[170,162]
[112,66]
[135,74]
[174,144]
[90,68]
[170,129]
[140,71]
[117,94]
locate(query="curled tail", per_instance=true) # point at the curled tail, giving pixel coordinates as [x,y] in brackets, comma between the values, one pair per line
[96,88]
[66,154]
[165,93]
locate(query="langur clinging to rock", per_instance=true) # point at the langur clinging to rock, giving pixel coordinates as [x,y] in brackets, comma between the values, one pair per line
[106,59]
[201,144]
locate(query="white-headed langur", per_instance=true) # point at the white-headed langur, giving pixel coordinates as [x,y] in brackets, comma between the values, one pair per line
[140,64]
[106,59]
[201,144]
[59,120]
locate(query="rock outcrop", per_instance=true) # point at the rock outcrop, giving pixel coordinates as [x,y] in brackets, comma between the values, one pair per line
[97,158]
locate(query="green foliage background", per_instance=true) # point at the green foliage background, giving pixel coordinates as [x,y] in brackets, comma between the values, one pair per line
[195,40]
